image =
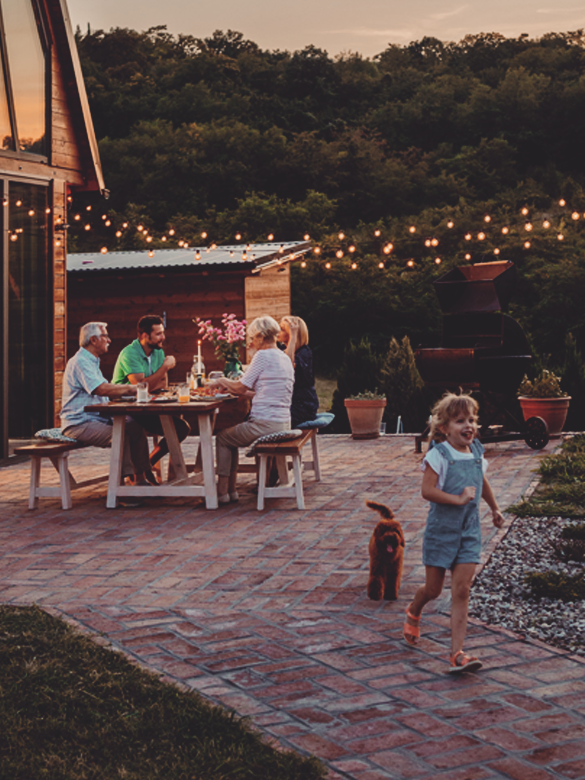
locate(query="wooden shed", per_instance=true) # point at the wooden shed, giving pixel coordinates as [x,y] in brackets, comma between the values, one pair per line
[47,149]
[179,285]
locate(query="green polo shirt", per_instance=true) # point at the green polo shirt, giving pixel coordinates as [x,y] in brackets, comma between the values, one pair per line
[132,360]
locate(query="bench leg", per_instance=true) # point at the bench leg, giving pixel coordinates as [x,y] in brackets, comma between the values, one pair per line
[282,469]
[65,485]
[35,480]
[296,459]
[262,481]
[316,465]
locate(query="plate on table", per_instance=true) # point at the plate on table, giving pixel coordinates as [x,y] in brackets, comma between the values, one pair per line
[127,398]
[163,400]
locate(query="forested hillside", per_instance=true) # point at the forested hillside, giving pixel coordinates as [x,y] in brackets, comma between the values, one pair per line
[217,135]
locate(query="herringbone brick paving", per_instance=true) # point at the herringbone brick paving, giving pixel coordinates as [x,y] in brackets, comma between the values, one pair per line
[266,613]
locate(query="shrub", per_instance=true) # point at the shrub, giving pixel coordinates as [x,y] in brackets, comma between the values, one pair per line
[359,372]
[553,585]
[404,388]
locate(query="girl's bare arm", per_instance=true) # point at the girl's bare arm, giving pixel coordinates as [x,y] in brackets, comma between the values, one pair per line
[430,491]
[488,496]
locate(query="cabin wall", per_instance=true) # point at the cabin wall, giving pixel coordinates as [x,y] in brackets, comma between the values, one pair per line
[123,299]
[268,292]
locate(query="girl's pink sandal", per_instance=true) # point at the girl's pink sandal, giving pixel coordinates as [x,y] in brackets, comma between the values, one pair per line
[411,631]
[461,662]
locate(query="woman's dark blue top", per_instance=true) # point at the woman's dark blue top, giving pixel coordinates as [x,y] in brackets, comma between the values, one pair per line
[304,404]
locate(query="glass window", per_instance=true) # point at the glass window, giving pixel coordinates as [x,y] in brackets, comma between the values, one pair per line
[29,334]
[5,129]
[26,60]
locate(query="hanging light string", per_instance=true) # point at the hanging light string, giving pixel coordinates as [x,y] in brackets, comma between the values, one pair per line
[408,245]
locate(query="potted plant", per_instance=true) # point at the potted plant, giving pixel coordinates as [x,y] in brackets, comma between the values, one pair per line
[365,411]
[544,398]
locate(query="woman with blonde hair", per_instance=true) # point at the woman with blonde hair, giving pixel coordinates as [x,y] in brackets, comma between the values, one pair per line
[294,335]
[269,379]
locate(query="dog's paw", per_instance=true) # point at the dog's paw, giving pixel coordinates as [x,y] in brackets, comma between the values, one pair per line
[374,591]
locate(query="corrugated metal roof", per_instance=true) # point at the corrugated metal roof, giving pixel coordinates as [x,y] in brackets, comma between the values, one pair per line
[256,255]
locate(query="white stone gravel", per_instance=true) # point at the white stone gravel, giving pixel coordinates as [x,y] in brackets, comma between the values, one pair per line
[500,597]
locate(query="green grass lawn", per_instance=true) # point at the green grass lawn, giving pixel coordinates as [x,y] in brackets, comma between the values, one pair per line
[72,710]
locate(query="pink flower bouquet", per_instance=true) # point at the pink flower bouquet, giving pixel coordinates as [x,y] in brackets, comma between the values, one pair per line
[227,339]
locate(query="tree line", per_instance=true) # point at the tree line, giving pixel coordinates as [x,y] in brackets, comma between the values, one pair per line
[217,134]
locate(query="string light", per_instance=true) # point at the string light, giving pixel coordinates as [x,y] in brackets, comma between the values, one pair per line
[151,253]
[204,235]
[171,231]
[148,239]
[574,215]
[341,236]
[377,233]
[125,225]
[528,226]
[354,266]
[381,265]
[562,202]
[505,230]
[107,223]
[450,223]
[524,211]
[560,237]
[104,216]
[487,218]
[527,245]
[181,243]
[88,208]
[468,257]
[468,236]
[18,203]
[339,254]
[104,250]
[410,263]
[140,228]
[14,237]
[198,255]
[118,233]
[428,242]
[303,264]
[87,227]
[163,238]
[306,237]
[546,224]
[31,213]
[387,249]
[47,210]
[481,236]
[434,242]
[213,246]
[327,265]
[412,229]
[496,251]
[271,236]
[238,236]
[351,248]
[438,260]
[317,250]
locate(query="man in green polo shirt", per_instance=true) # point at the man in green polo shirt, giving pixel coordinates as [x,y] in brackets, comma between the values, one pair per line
[144,361]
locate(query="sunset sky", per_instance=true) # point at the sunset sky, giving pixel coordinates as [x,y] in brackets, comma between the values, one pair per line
[366,26]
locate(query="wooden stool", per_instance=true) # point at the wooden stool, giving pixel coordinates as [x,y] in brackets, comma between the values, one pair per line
[280,451]
[58,454]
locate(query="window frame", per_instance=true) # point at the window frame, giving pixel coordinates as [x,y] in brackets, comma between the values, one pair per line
[46,44]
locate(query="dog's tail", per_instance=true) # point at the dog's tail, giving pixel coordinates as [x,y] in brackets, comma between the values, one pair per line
[384,511]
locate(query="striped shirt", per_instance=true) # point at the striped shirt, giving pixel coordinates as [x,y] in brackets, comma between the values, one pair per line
[271,376]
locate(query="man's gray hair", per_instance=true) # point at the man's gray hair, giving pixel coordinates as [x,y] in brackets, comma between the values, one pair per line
[90,329]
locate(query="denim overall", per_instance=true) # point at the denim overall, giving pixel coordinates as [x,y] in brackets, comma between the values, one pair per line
[453,534]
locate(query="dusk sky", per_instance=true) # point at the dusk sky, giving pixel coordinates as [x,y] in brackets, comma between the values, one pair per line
[366,26]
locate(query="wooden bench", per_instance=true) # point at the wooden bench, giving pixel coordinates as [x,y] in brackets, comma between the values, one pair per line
[57,453]
[280,451]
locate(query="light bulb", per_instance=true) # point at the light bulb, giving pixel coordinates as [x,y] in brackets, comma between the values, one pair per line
[351,248]
[468,236]
[481,236]
[140,228]
[271,236]
[88,208]
[434,241]
[380,265]
[505,230]
[163,238]
[468,257]
[148,239]
[306,237]
[124,225]
[204,235]
[18,203]
[528,226]
[238,236]
[31,213]
[172,232]
[487,218]
[88,227]
[438,260]
[77,217]
[410,263]
[574,215]
[327,265]
[427,242]
[546,224]
[412,229]
[377,233]
[107,223]
[104,250]
[354,266]
[303,264]
[562,202]
[527,245]
[450,224]
[496,251]
[560,237]
[341,236]
[339,254]
[317,250]
[118,233]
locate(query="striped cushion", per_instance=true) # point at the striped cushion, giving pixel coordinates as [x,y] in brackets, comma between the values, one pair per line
[54,434]
[270,438]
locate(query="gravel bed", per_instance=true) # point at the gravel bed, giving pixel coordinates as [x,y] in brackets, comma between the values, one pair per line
[500,597]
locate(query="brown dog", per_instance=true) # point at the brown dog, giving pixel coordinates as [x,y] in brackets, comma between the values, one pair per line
[386,555]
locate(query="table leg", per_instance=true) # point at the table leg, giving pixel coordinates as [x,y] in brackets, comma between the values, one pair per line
[116,457]
[206,447]
[175,452]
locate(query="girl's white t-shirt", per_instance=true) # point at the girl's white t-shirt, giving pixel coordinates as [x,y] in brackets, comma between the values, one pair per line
[440,464]
[271,376]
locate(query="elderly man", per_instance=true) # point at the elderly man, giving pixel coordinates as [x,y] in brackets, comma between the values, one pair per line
[84,384]
[144,361]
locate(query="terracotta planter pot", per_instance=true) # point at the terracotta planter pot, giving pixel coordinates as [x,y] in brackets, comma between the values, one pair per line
[365,417]
[552,410]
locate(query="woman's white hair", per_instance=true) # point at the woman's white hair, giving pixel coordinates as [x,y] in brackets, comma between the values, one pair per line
[90,329]
[265,326]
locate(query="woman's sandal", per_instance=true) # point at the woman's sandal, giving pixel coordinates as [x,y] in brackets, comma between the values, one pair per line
[411,631]
[461,662]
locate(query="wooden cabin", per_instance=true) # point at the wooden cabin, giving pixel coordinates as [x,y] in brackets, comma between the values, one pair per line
[47,149]
[178,284]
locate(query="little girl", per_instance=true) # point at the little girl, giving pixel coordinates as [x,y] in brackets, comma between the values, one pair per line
[453,481]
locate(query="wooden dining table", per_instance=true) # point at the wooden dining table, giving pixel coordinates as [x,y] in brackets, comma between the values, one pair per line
[202,414]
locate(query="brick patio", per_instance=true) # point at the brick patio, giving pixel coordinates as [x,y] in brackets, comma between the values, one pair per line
[266,613]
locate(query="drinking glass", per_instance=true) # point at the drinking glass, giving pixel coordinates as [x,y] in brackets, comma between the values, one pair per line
[183,393]
[142,393]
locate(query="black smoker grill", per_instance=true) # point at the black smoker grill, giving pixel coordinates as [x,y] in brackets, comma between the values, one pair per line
[483,349]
